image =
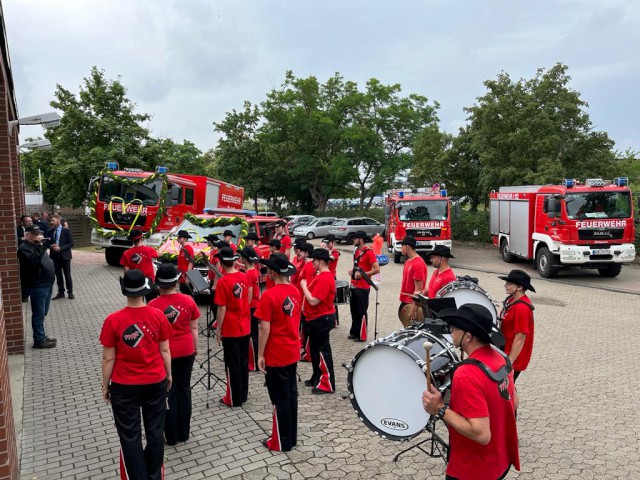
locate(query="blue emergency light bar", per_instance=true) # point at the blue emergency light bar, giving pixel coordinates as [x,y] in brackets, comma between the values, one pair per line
[160,169]
[112,165]
[400,194]
[443,193]
[569,182]
[621,181]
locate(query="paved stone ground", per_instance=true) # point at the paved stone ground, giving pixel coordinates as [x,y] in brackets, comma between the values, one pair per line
[578,416]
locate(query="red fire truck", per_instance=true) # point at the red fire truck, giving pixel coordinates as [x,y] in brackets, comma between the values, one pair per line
[154,202]
[423,213]
[588,225]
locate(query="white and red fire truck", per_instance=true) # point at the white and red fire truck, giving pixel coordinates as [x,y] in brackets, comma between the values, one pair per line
[424,213]
[589,225]
[118,206]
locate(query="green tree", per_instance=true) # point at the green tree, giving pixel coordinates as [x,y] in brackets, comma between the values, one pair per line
[182,157]
[536,131]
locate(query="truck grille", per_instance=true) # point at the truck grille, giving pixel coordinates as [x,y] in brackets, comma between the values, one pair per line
[424,232]
[125,218]
[601,234]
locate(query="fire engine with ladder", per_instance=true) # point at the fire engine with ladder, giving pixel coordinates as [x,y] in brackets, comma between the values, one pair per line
[424,213]
[588,225]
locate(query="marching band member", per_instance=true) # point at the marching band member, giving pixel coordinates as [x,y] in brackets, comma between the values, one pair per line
[140,257]
[285,240]
[279,350]
[307,273]
[483,439]
[182,313]
[517,320]
[227,235]
[251,240]
[250,258]
[185,259]
[363,259]
[233,296]
[328,242]
[136,375]
[442,275]
[320,319]
[414,277]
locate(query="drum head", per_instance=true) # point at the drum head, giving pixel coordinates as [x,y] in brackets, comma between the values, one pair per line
[388,386]
[466,292]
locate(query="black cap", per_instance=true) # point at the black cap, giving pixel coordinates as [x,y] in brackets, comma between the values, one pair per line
[135,234]
[135,284]
[228,233]
[278,263]
[475,319]
[183,234]
[519,277]
[409,241]
[167,275]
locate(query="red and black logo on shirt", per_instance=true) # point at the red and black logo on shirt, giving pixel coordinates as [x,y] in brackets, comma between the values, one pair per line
[172,313]
[136,258]
[132,336]
[503,388]
[288,307]
[237,290]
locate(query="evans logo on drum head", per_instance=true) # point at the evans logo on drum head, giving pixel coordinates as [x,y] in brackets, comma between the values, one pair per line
[394,424]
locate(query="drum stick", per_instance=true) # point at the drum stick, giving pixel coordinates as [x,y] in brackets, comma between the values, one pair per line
[427,348]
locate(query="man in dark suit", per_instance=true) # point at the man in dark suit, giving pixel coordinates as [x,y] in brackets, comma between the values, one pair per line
[25,221]
[60,243]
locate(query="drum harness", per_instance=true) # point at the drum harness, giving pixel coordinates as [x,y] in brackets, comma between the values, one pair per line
[506,306]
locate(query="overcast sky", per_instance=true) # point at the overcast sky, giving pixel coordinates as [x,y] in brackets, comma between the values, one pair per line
[187,62]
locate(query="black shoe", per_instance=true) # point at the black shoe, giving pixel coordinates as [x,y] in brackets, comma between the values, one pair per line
[51,339]
[264,442]
[58,296]
[309,383]
[351,337]
[317,391]
[45,344]
[71,296]
[357,340]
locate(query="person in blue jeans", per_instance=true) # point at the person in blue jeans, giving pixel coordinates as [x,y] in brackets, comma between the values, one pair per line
[37,275]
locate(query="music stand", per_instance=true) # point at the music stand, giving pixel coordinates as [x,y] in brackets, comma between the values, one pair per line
[199,284]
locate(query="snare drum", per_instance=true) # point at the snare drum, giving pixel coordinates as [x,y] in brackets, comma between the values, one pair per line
[342,292]
[387,378]
[468,292]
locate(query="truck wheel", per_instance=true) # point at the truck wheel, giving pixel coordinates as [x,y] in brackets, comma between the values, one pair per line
[113,255]
[349,239]
[397,257]
[546,263]
[610,271]
[504,251]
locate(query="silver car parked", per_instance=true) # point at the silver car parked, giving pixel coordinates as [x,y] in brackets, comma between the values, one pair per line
[318,227]
[344,228]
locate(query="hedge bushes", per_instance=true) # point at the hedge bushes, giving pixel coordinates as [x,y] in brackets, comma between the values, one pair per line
[471,226]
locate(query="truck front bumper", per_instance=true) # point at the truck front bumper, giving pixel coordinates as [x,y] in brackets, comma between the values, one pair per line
[583,254]
[424,246]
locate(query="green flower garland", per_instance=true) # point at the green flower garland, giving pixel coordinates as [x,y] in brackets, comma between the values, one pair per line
[130,183]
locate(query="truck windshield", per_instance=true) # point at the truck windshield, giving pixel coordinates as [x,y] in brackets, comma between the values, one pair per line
[148,193]
[423,210]
[598,205]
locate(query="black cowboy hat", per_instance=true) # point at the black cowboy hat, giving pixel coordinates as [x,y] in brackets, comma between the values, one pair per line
[409,241]
[361,234]
[441,251]
[475,319]
[306,247]
[135,234]
[228,233]
[250,254]
[135,284]
[280,223]
[183,234]
[212,237]
[299,241]
[519,277]
[226,254]
[329,238]
[278,263]
[275,243]
[252,236]
[321,254]
[221,244]
[167,275]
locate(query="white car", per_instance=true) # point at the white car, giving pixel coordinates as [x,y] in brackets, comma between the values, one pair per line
[318,227]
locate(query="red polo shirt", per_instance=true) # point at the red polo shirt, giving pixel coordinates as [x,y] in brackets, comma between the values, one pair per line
[322,287]
[438,280]
[415,270]
[233,293]
[365,259]
[180,310]
[280,306]
[183,263]
[518,319]
[333,265]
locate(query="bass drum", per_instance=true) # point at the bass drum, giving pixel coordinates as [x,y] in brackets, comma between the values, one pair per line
[463,292]
[387,378]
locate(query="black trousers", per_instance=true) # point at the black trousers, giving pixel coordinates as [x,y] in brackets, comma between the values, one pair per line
[137,463]
[321,357]
[63,274]
[501,477]
[283,392]
[178,419]
[255,330]
[236,363]
[359,304]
